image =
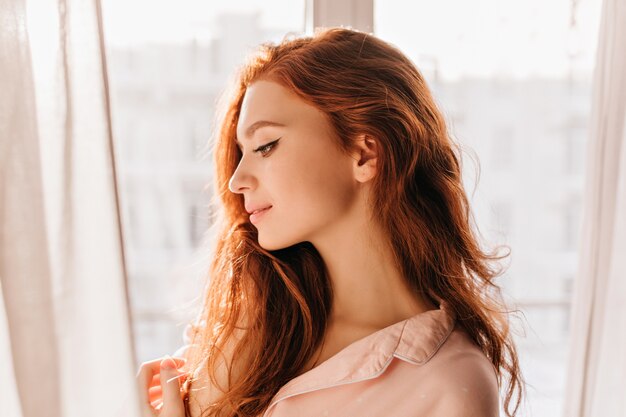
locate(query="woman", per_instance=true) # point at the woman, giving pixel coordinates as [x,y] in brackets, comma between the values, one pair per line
[346,279]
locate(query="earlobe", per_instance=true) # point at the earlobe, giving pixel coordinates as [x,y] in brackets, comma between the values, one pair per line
[366,155]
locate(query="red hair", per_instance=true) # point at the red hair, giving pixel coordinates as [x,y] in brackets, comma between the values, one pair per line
[364,86]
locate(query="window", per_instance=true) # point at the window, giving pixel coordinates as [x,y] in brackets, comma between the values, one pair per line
[165,76]
[503,148]
[519,73]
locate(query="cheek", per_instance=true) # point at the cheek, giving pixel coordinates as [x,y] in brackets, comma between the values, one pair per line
[311,188]
[319,188]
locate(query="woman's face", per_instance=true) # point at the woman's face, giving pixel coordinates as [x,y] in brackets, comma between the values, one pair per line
[303,176]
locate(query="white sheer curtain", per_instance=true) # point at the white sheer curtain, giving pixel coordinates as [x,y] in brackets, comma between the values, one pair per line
[597,363]
[65,340]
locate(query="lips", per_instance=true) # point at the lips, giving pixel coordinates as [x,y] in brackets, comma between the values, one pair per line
[258,214]
[260,210]
[257,208]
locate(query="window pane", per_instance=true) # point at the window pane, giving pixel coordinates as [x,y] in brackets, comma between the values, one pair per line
[514,81]
[168,62]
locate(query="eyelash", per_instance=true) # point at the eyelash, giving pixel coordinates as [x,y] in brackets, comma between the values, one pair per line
[267,146]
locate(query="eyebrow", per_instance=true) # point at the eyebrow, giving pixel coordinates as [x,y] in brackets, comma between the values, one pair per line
[258,125]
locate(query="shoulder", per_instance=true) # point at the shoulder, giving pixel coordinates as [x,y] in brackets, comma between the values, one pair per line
[464,379]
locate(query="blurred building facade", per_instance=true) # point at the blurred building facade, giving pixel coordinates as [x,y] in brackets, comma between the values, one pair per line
[163,104]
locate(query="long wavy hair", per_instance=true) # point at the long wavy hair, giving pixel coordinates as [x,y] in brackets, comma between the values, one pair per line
[275,304]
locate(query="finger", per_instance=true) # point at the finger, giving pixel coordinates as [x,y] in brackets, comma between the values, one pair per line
[170,384]
[154,366]
[156,379]
[144,378]
[155,363]
[154,393]
[157,404]
[179,361]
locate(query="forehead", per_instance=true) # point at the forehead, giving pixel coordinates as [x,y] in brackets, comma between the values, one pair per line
[271,102]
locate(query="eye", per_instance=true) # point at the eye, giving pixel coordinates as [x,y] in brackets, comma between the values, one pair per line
[265,149]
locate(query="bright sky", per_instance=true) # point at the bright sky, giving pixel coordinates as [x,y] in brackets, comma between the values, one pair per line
[481,37]
[478,38]
[139,21]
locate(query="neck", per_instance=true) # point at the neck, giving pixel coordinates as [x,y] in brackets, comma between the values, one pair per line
[369,288]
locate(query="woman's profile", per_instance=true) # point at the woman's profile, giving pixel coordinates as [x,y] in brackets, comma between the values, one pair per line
[346,277]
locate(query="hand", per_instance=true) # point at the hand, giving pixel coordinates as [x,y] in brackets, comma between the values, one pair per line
[158,396]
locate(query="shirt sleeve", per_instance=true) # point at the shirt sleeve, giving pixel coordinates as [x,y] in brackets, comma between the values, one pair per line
[469,388]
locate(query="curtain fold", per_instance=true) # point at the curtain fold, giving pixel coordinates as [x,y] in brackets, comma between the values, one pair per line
[64,320]
[597,359]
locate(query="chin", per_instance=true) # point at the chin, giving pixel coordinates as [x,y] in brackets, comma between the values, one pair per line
[271,244]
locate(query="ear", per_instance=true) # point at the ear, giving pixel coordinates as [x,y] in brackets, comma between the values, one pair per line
[365,156]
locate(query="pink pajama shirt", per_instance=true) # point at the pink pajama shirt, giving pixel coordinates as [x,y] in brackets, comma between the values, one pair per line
[424,366]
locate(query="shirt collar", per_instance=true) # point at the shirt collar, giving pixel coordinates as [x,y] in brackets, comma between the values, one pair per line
[414,340]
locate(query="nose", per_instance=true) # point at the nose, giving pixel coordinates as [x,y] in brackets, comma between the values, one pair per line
[240,180]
